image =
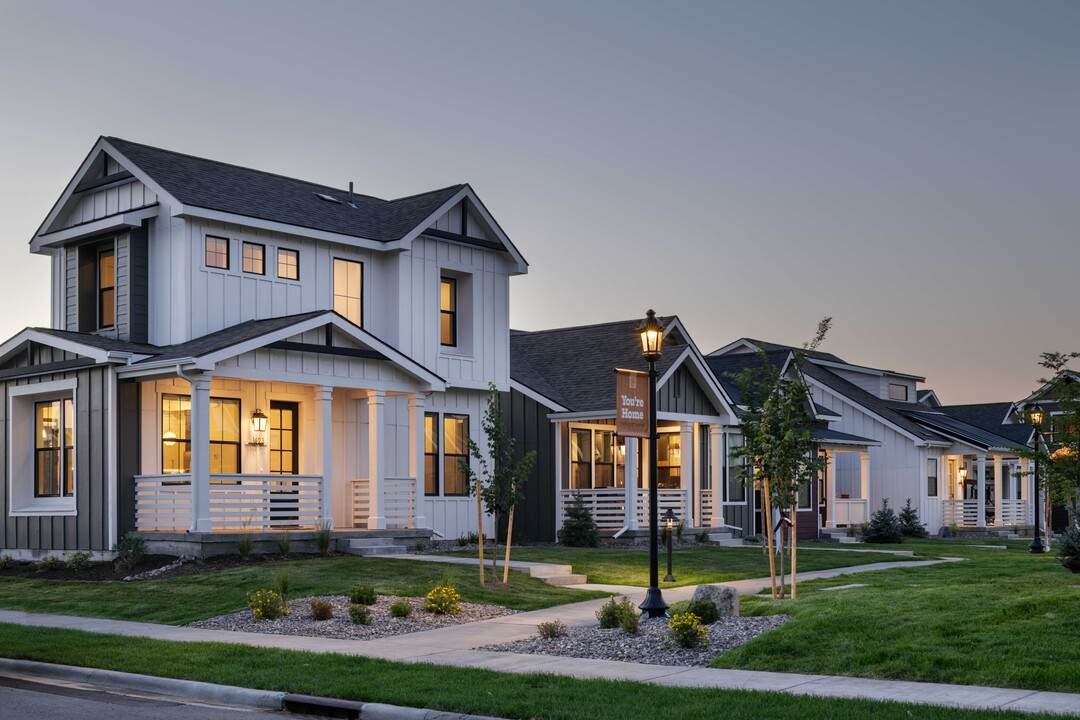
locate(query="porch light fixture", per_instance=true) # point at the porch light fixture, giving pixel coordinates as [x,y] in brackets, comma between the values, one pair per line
[669,518]
[652,337]
[1036,417]
[963,473]
[258,427]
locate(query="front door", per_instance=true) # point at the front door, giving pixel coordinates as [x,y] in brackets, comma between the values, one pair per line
[284,459]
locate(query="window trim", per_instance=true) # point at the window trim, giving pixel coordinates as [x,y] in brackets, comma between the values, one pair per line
[461,456]
[901,386]
[296,254]
[617,481]
[64,462]
[187,441]
[451,312]
[107,249]
[934,477]
[206,252]
[435,458]
[334,294]
[21,450]
[244,258]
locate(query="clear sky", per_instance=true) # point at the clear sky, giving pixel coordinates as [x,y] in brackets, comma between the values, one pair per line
[910,168]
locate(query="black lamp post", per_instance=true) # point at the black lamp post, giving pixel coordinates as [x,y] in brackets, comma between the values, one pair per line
[1036,416]
[669,518]
[652,336]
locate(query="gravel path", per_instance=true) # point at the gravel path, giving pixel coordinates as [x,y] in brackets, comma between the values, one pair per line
[300,622]
[652,644]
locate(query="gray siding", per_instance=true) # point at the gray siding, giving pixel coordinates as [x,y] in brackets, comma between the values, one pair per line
[127,457]
[71,288]
[88,530]
[529,426]
[682,394]
[137,290]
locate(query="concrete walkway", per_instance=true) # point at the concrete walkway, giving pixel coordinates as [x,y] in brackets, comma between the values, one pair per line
[455,646]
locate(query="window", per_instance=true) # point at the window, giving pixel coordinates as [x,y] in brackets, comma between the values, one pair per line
[217,252]
[176,435]
[898,392]
[431,454]
[54,448]
[736,489]
[288,264]
[106,282]
[592,459]
[254,258]
[803,497]
[668,460]
[348,288]
[455,450]
[448,311]
[931,478]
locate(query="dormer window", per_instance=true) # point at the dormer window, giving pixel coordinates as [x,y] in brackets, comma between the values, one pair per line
[217,252]
[106,287]
[97,286]
[898,392]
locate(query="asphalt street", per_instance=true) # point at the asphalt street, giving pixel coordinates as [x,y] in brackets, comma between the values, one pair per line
[24,700]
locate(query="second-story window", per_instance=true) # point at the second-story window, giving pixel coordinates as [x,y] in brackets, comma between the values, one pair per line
[288,264]
[897,392]
[106,274]
[254,258]
[448,312]
[348,290]
[217,252]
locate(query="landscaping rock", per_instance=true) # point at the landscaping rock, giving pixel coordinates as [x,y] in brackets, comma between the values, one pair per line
[725,598]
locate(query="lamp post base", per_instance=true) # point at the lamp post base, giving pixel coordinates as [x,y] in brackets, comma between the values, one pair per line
[669,578]
[654,605]
[1036,547]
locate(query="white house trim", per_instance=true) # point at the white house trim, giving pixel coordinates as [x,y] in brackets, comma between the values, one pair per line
[533,395]
[119,221]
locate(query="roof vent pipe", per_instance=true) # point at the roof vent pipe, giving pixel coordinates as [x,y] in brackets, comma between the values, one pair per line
[353,204]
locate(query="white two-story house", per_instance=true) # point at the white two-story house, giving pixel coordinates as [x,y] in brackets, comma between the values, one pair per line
[232,350]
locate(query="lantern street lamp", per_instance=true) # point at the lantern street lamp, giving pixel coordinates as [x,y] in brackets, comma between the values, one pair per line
[1036,417]
[670,518]
[652,337]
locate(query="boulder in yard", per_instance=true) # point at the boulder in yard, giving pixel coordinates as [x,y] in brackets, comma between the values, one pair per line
[723,597]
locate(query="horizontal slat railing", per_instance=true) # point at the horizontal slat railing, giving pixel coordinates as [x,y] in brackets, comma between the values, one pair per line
[849,511]
[962,513]
[1014,512]
[607,505]
[674,498]
[399,503]
[708,508]
[162,503]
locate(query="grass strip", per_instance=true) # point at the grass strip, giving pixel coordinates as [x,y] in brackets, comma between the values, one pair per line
[453,689]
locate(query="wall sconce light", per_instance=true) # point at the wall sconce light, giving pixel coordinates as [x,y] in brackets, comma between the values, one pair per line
[963,474]
[258,427]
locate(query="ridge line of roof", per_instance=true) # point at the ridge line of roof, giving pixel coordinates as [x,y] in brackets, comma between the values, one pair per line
[584,327]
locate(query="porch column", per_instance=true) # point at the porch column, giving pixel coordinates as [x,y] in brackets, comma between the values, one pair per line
[830,494]
[687,472]
[324,427]
[1030,492]
[376,459]
[630,483]
[559,509]
[998,495]
[200,454]
[980,489]
[416,456]
[716,476]
[864,479]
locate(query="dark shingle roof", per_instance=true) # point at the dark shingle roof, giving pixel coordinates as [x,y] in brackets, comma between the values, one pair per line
[990,416]
[253,193]
[726,367]
[952,427]
[826,435]
[773,347]
[229,336]
[575,366]
[99,341]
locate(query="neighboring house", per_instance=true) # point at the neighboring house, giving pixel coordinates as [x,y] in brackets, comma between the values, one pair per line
[562,404]
[900,444]
[235,350]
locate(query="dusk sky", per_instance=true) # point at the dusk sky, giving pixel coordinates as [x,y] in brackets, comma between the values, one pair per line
[910,168]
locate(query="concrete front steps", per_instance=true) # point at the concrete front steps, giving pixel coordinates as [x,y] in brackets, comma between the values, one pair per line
[374,547]
[837,535]
[724,539]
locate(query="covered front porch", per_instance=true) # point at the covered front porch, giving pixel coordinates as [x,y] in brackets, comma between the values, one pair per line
[991,489]
[843,493]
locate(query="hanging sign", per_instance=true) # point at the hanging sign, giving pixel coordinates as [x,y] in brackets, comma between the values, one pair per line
[631,403]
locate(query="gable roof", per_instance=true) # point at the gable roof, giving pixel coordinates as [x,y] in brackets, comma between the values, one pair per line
[215,185]
[726,367]
[751,346]
[953,428]
[991,417]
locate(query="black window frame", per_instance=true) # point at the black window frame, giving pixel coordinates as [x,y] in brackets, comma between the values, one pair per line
[206,252]
[244,258]
[457,476]
[185,442]
[448,312]
[432,475]
[295,254]
[106,295]
[932,477]
[62,455]
[359,322]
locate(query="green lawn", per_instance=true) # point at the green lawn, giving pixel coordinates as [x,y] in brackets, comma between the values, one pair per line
[692,566]
[1001,617]
[195,597]
[481,692]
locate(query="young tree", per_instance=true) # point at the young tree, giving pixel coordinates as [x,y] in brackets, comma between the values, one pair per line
[500,483]
[778,446]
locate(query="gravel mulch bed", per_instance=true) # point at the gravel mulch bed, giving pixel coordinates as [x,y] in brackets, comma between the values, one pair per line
[652,645]
[300,622]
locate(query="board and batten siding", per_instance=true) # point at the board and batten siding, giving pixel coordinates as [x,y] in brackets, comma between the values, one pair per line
[89,528]
[526,419]
[97,204]
[683,394]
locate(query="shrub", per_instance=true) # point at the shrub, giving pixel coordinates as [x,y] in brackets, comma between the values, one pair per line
[244,544]
[1069,549]
[51,562]
[323,539]
[129,552]
[284,543]
[469,539]
[579,529]
[687,632]
[705,610]
[618,614]
[884,526]
[265,605]
[420,545]
[551,630]
[78,560]
[443,599]
[703,536]
[7,562]
[360,614]
[321,609]
[362,595]
[680,528]
[283,587]
[909,522]
[401,609]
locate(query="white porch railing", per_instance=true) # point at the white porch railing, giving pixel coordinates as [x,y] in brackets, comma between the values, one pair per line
[607,505]
[708,509]
[237,502]
[965,513]
[673,498]
[1014,512]
[398,503]
[849,511]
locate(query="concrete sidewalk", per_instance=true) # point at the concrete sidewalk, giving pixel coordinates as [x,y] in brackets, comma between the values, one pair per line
[455,646]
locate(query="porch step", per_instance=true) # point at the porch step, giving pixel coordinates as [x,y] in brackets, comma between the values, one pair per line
[374,547]
[724,539]
[552,574]
[838,535]
[560,580]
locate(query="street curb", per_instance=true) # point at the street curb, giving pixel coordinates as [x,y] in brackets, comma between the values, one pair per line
[224,694]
